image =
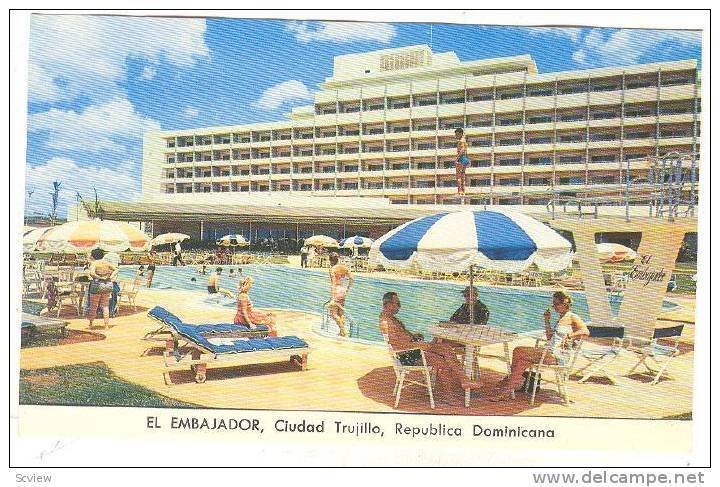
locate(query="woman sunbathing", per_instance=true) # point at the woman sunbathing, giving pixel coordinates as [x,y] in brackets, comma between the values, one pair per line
[246,315]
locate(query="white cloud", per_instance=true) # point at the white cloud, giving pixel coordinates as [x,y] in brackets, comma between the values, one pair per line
[99,128]
[629,46]
[191,112]
[341,31]
[571,33]
[86,55]
[117,183]
[281,93]
[148,73]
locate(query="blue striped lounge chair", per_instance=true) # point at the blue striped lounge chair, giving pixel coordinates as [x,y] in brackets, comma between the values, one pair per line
[225,344]
[171,325]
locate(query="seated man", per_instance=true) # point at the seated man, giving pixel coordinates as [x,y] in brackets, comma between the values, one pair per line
[480,311]
[438,355]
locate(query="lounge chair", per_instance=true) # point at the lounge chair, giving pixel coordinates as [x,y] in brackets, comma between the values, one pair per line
[424,372]
[600,357]
[653,351]
[33,325]
[206,344]
[172,328]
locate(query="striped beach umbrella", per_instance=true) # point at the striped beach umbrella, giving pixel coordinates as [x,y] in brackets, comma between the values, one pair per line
[31,236]
[169,238]
[356,242]
[232,241]
[84,235]
[455,241]
[613,252]
[321,241]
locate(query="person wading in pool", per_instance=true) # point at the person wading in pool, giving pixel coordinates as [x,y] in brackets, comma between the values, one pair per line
[151,268]
[340,281]
[462,161]
[439,355]
[213,284]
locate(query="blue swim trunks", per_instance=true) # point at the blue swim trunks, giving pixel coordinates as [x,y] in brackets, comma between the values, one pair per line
[463,159]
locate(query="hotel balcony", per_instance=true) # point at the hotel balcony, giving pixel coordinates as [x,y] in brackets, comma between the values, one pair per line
[352,156]
[665,141]
[402,136]
[344,139]
[547,147]
[479,107]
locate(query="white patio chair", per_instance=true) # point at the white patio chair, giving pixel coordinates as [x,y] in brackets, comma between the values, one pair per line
[599,357]
[424,371]
[128,292]
[653,351]
[560,372]
[68,292]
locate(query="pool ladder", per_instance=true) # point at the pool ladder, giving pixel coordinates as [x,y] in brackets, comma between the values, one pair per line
[352,326]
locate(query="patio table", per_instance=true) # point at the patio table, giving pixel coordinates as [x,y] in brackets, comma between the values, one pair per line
[474,337]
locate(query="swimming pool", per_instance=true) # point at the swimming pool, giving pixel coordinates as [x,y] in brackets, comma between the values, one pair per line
[423,302]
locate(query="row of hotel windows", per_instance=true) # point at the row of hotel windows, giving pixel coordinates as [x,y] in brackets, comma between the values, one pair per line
[569,87]
[511,160]
[479,182]
[578,114]
[577,136]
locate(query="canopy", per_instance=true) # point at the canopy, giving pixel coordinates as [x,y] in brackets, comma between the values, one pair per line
[613,252]
[84,235]
[453,241]
[232,241]
[321,241]
[356,242]
[169,238]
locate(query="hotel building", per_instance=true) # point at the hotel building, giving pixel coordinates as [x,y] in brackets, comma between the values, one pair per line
[383,127]
[380,133]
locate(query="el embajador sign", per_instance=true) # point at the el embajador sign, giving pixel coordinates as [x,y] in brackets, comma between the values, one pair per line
[648,278]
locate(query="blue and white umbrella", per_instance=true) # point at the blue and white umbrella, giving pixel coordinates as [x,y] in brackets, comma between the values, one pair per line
[232,241]
[455,241]
[356,242]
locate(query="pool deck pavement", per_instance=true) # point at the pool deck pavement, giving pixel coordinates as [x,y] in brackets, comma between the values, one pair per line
[350,376]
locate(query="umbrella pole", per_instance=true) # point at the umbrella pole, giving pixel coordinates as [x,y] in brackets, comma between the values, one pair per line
[472,298]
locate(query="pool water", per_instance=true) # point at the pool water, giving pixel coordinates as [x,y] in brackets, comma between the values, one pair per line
[423,303]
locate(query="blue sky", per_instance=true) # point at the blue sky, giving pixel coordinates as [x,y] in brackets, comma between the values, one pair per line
[96,83]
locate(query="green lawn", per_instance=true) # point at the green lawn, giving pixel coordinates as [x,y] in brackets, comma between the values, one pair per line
[91,384]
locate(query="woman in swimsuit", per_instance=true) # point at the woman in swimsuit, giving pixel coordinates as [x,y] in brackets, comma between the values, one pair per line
[340,281]
[100,289]
[246,315]
[569,327]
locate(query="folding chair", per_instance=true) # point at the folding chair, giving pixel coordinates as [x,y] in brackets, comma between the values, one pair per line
[653,351]
[600,357]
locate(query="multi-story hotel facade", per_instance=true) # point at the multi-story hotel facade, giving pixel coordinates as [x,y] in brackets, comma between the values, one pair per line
[383,127]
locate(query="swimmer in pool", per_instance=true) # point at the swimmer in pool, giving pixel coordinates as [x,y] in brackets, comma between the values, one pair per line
[340,281]
[213,284]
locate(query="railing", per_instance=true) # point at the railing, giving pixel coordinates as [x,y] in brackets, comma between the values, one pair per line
[664,190]
[353,329]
